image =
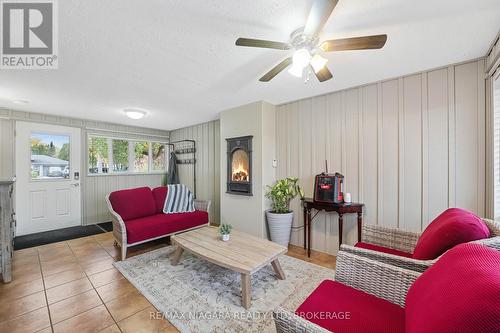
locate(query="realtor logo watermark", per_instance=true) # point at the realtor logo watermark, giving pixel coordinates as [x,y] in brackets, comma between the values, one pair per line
[29,34]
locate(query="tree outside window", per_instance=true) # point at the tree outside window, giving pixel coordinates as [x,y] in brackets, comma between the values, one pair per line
[141,161]
[98,155]
[120,155]
[158,152]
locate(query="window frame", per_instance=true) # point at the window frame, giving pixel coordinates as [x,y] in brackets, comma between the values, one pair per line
[131,156]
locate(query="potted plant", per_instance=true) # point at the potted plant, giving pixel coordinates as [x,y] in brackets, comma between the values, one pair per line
[280,217]
[225,231]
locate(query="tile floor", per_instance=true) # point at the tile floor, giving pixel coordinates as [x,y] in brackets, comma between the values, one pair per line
[72,286]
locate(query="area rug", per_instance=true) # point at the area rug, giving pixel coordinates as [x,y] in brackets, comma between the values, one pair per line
[197,296]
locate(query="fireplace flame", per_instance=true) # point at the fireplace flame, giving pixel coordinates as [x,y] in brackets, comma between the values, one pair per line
[240,174]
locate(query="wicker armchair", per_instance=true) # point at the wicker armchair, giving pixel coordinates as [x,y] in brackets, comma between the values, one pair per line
[405,241]
[379,279]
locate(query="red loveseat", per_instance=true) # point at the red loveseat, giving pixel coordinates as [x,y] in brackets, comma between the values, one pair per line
[138,216]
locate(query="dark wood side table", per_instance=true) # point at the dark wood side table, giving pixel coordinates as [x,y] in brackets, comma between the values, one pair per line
[340,209]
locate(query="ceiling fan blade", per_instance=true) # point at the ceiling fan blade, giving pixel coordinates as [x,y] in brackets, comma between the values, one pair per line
[324,74]
[355,43]
[276,70]
[267,44]
[319,14]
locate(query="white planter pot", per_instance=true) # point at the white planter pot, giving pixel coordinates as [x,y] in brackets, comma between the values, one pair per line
[280,227]
[225,238]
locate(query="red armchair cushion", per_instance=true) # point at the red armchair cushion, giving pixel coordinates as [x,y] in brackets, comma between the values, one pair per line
[452,227]
[383,249]
[342,309]
[160,194]
[134,203]
[162,224]
[459,293]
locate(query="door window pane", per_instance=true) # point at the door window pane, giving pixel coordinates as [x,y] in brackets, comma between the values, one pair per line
[120,155]
[98,155]
[141,156]
[158,152]
[50,156]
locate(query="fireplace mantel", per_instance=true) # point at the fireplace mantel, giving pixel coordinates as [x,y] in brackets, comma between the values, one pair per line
[239,165]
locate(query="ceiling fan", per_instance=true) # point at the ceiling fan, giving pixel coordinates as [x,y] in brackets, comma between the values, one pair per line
[306,57]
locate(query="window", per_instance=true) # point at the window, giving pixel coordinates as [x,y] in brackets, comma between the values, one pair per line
[98,155]
[120,155]
[49,156]
[158,155]
[115,155]
[141,157]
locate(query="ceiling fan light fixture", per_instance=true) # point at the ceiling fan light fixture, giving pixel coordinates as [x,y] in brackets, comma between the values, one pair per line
[318,62]
[301,58]
[296,70]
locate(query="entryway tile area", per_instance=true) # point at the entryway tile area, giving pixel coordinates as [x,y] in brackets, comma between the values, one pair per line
[72,286]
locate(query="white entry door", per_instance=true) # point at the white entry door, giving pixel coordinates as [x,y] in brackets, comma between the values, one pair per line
[48,177]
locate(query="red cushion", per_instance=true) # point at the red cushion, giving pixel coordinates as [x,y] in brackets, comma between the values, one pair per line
[459,293]
[342,309]
[134,203]
[162,224]
[160,194]
[452,227]
[383,249]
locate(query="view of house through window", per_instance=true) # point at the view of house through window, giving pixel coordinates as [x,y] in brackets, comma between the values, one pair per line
[113,155]
[49,156]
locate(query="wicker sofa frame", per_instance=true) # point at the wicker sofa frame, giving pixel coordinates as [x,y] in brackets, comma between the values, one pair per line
[120,230]
[374,277]
[406,241]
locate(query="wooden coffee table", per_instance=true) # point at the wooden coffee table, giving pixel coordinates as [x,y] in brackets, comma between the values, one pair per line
[243,253]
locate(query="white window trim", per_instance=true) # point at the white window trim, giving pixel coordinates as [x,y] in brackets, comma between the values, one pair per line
[131,157]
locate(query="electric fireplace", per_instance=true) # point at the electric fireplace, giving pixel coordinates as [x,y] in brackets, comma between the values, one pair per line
[239,165]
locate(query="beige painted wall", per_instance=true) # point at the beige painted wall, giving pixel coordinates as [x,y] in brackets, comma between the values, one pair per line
[94,188]
[246,213]
[207,137]
[409,148]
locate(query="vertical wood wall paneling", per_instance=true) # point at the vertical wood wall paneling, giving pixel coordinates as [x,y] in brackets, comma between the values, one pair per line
[409,147]
[207,137]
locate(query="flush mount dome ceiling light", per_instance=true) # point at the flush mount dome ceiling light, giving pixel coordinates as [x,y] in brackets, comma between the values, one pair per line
[135,113]
[20,101]
[307,47]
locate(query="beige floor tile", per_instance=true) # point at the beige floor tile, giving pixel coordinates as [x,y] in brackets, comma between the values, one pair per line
[92,256]
[17,289]
[33,321]
[74,305]
[127,305]
[67,290]
[105,277]
[63,277]
[115,289]
[25,253]
[93,320]
[14,308]
[111,329]
[46,330]
[24,260]
[26,273]
[58,268]
[98,266]
[141,322]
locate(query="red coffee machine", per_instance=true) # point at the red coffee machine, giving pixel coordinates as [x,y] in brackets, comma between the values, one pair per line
[328,187]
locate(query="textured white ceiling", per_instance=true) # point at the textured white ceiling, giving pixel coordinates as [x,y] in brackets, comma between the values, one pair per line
[177,59]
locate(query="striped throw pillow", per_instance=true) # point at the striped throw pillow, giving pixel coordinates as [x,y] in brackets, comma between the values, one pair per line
[179,199]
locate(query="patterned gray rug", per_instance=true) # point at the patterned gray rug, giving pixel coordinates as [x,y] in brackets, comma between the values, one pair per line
[197,296]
